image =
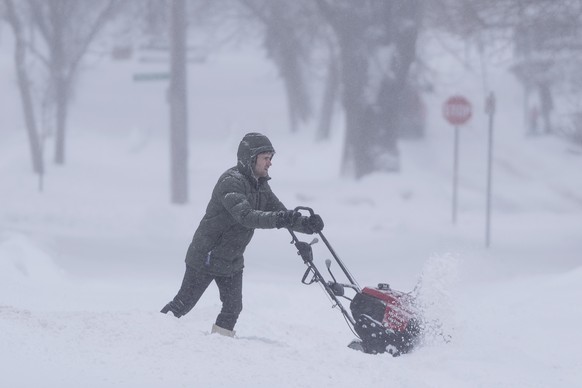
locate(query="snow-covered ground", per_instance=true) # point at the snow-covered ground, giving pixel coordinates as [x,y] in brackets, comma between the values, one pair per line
[86,264]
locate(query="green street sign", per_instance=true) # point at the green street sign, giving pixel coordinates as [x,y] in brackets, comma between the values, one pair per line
[151,77]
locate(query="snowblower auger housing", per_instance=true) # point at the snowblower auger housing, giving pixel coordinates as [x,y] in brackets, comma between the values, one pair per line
[384,320]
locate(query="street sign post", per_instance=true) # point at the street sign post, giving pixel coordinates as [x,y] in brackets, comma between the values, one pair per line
[490,110]
[457,111]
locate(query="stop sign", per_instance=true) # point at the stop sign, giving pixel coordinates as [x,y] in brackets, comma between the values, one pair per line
[457,110]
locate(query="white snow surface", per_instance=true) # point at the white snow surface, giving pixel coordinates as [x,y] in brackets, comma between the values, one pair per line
[86,264]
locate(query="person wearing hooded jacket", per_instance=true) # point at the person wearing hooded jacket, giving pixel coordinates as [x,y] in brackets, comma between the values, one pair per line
[241,201]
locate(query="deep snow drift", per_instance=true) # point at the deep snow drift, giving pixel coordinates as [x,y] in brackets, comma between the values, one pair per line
[86,265]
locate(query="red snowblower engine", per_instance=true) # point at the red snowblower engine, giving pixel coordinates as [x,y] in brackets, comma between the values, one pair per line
[384,320]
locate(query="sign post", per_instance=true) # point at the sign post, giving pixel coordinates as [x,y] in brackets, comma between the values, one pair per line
[457,111]
[490,110]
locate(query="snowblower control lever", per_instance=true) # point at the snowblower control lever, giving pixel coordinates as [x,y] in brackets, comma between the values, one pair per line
[304,249]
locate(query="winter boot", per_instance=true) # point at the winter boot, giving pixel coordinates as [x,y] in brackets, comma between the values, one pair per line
[175,306]
[222,331]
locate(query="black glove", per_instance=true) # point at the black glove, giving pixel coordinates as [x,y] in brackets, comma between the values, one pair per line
[315,223]
[286,218]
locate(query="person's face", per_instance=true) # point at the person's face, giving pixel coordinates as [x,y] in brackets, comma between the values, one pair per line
[261,168]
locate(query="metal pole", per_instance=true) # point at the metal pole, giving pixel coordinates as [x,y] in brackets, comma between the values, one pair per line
[178,104]
[339,262]
[490,109]
[455,173]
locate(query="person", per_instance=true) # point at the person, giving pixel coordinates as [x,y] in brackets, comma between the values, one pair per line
[241,202]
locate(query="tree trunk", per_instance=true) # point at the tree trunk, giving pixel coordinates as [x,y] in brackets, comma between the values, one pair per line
[297,94]
[546,104]
[24,87]
[58,79]
[354,78]
[61,119]
[292,107]
[331,90]
[286,49]
[178,105]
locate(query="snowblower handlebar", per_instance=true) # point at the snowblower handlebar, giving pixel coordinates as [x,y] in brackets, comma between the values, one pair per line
[310,210]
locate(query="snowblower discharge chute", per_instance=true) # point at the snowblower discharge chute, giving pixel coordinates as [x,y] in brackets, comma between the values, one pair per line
[384,320]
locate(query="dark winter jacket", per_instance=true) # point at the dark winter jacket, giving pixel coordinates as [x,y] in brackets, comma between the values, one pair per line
[240,203]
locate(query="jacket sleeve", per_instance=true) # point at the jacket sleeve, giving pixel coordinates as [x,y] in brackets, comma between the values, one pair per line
[232,195]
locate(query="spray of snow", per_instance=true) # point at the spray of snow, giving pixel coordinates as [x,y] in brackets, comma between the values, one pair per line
[435,298]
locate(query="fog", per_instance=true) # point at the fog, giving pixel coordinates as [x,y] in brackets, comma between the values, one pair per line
[92,250]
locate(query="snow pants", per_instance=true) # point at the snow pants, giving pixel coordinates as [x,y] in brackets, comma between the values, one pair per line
[196,282]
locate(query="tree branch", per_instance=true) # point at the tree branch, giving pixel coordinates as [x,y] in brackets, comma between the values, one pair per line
[87,40]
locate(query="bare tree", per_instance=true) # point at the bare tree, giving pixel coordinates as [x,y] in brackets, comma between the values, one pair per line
[544,36]
[67,29]
[286,39]
[377,44]
[24,85]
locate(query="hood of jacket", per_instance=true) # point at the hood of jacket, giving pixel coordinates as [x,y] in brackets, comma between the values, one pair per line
[251,145]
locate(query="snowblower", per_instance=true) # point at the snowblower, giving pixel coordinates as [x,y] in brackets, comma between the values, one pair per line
[383,319]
